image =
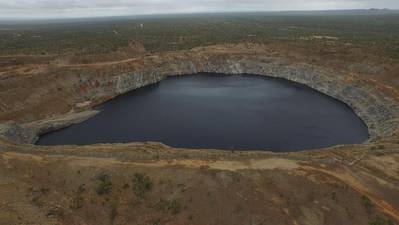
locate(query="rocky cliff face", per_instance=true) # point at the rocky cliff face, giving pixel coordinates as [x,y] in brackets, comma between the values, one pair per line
[84,86]
[379,112]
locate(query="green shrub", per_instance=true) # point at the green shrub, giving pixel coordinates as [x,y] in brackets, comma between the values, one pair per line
[141,184]
[156,222]
[55,213]
[332,195]
[105,185]
[113,212]
[367,203]
[175,206]
[379,220]
[77,201]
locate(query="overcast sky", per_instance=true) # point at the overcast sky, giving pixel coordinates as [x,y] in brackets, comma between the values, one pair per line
[87,8]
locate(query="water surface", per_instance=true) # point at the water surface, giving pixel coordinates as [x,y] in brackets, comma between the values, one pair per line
[244,112]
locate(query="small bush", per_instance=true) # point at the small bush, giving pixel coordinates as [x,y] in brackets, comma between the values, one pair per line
[156,222]
[55,213]
[379,220]
[81,188]
[37,202]
[175,206]
[333,196]
[367,203]
[113,212]
[191,217]
[105,185]
[141,184]
[162,205]
[77,201]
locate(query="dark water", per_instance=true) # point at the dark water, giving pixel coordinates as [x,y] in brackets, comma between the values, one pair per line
[220,111]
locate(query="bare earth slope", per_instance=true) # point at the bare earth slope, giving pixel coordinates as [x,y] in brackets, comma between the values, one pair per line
[150,183]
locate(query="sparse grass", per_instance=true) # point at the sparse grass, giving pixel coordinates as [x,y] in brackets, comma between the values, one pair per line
[105,185]
[141,184]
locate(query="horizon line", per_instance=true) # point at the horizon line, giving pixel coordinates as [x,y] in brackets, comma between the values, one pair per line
[38,18]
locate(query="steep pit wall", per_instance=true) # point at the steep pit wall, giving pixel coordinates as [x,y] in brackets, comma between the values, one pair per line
[92,84]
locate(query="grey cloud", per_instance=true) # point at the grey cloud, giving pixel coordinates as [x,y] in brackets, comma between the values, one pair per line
[77,8]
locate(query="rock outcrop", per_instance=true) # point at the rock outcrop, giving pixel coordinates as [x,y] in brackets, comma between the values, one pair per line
[16,133]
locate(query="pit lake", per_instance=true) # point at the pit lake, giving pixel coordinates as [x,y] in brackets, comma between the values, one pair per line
[236,112]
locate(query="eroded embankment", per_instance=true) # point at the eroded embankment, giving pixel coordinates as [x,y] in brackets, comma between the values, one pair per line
[72,89]
[274,186]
